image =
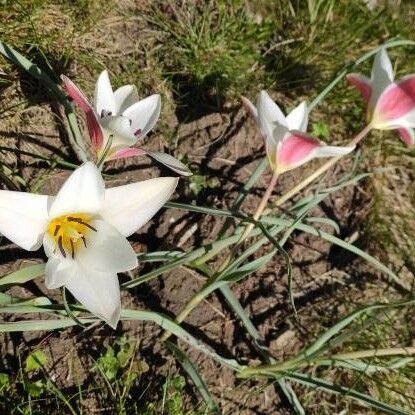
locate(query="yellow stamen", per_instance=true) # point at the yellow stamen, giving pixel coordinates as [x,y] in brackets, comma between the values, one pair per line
[69,232]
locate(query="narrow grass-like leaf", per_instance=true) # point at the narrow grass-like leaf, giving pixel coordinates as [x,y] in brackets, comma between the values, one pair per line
[322,340]
[185,258]
[23,275]
[191,370]
[36,72]
[36,325]
[363,398]
[168,324]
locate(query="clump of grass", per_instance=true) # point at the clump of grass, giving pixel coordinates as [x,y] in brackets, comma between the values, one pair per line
[208,51]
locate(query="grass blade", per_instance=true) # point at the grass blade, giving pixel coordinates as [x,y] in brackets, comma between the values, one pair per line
[191,370]
[36,72]
[347,392]
[23,275]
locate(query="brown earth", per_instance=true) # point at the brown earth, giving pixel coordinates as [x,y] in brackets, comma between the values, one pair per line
[225,146]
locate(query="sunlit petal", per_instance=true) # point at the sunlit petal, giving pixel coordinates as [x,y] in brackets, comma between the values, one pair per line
[23,218]
[382,75]
[106,250]
[58,271]
[298,148]
[98,292]
[125,96]
[144,114]
[129,207]
[297,119]
[396,105]
[270,116]
[83,192]
[407,135]
[104,97]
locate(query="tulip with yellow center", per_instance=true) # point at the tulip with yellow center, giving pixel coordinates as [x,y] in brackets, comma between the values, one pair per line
[84,230]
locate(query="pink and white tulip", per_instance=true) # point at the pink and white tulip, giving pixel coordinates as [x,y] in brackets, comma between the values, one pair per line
[286,142]
[84,230]
[118,119]
[390,104]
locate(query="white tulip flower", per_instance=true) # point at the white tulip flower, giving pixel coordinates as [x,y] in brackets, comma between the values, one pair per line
[84,230]
[119,119]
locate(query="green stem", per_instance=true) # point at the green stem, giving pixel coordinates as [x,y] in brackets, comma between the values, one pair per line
[295,363]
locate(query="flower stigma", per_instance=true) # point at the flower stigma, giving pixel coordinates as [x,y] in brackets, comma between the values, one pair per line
[69,232]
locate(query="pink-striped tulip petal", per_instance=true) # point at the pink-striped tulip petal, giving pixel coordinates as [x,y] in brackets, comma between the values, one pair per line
[297,148]
[362,84]
[396,105]
[94,129]
[407,135]
[125,153]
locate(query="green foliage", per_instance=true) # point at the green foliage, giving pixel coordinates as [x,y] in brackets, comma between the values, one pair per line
[320,129]
[199,183]
[35,360]
[207,53]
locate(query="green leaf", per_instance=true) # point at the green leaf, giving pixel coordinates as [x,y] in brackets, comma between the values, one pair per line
[35,389]
[4,382]
[23,275]
[35,360]
[191,370]
[36,72]
[366,400]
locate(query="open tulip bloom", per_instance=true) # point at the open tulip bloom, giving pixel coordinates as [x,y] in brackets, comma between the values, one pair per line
[83,230]
[118,119]
[286,142]
[390,104]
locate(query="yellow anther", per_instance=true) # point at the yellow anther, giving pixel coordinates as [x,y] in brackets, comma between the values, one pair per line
[68,231]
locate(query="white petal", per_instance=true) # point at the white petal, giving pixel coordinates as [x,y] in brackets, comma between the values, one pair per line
[144,114]
[332,151]
[129,207]
[98,292]
[120,129]
[104,101]
[269,116]
[297,119]
[58,271]
[106,250]
[170,162]
[382,75]
[23,218]
[83,192]
[125,96]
